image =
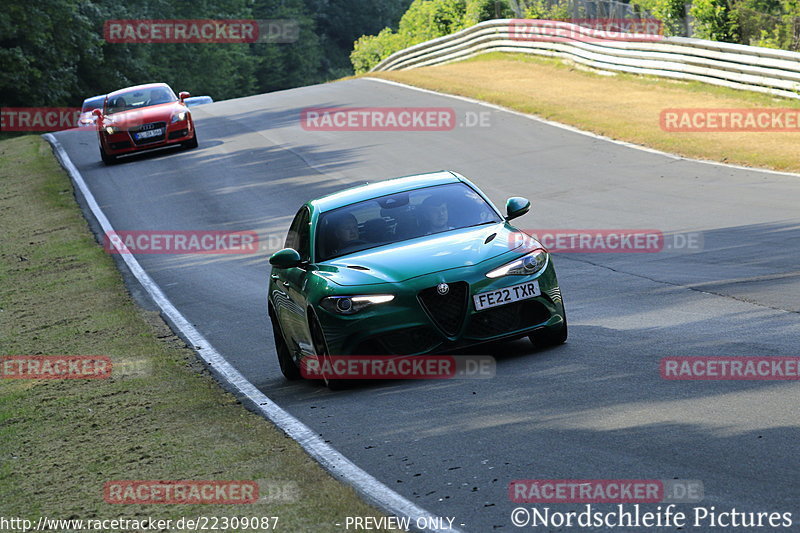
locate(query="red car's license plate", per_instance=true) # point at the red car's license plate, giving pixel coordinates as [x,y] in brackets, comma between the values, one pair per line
[149,133]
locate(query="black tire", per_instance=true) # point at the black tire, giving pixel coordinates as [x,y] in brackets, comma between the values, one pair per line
[551,336]
[288,366]
[321,349]
[191,143]
[107,159]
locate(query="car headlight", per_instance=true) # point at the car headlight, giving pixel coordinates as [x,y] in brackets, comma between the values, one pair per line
[527,265]
[178,117]
[348,305]
[111,129]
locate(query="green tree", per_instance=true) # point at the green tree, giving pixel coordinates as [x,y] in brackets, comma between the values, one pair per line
[480,10]
[548,10]
[424,20]
[286,65]
[339,23]
[369,50]
[40,51]
[671,13]
[714,20]
[769,23]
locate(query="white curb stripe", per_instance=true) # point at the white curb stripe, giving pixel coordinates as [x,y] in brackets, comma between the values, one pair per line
[330,459]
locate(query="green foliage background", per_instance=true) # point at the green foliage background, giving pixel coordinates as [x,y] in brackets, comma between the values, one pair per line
[769,23]
[425,20]
[52,52]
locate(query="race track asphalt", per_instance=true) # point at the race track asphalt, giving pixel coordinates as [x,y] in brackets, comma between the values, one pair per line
[594,408]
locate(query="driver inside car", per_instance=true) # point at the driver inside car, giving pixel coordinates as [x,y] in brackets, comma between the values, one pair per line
[435,214]
[159,96]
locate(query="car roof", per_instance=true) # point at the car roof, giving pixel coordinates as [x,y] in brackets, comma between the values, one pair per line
[381,188]
[144,86]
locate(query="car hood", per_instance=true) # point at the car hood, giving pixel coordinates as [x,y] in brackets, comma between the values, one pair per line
[404,260]
[144,115]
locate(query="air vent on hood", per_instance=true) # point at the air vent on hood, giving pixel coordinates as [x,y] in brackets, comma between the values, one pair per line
[357,267]
[490,238]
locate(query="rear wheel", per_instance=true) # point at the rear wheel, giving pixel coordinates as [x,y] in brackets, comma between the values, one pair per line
[288,367]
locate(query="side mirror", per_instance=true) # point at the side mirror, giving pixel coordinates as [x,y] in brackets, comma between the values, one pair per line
[183,95]
[97,112]
[286,258]
[516,206]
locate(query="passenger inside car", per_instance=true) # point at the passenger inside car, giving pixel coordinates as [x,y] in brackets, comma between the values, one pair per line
[343,233]
[120,104]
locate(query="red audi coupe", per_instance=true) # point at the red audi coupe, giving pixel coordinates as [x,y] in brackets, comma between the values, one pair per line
[142,118]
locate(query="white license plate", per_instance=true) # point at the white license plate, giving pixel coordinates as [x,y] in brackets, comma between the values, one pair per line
[506,295]
[149,133]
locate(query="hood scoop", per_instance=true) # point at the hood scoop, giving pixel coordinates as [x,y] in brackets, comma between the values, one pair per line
[357,267]
[490,238]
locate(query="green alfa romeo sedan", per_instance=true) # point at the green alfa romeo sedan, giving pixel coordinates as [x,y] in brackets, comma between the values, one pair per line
[422,264]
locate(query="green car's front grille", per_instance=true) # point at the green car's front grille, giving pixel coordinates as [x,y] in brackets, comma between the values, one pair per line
[446,310]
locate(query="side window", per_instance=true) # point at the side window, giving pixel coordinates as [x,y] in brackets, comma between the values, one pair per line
[298,236]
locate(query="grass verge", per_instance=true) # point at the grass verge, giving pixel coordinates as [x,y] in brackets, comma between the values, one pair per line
[624,106]
[160,416]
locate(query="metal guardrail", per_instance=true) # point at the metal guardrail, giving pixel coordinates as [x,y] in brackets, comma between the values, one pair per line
[738,66]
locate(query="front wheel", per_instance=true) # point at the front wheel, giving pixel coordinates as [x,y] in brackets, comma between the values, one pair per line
[288,367]
[191,143]
[107,159]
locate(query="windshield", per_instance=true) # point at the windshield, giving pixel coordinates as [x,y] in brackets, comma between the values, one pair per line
[399,217]
[92,103]
[138,98]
